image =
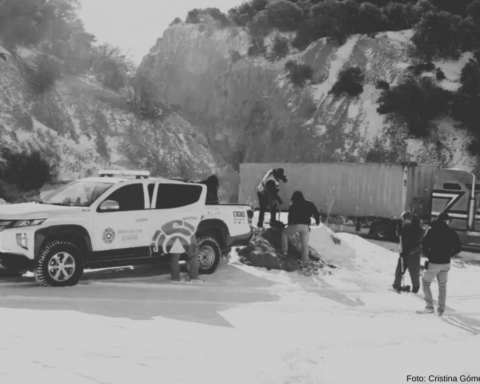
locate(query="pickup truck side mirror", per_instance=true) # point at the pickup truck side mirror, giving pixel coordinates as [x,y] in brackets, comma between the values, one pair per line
[109,205]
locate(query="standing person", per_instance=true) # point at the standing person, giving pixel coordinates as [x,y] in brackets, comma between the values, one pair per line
[192,257]
[410,233]
[299,219]
[440,244]
[267,193]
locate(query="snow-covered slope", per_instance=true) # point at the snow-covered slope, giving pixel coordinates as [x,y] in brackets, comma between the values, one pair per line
[82,127]
[251,112]
[243,325]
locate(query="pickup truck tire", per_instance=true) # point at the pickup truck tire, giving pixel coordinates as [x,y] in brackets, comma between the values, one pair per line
[209,255]
[60,264]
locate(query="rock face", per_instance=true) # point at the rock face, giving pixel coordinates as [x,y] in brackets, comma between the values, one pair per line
[250,112]
[81,127]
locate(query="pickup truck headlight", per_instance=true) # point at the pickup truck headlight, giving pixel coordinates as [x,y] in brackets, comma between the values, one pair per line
[26,223]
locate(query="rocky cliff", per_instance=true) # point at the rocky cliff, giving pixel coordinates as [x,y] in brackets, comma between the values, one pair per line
[250,112]
[81,127]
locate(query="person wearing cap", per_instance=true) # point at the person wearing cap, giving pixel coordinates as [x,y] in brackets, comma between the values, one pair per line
[410,233]
[300,214]
[440,244]
[267,193]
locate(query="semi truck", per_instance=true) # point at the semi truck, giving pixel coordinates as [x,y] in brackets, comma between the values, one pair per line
[374,195]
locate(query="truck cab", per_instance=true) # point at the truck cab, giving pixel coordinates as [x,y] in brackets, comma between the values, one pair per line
[455,192]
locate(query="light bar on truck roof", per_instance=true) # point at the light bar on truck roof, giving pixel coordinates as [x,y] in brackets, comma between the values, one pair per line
[137,174]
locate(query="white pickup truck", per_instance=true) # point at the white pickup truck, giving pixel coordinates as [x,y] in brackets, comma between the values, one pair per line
[115,220]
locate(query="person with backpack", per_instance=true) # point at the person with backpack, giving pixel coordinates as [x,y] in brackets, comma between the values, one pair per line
[410,233]
[440,244]
[300,213]
[267,193]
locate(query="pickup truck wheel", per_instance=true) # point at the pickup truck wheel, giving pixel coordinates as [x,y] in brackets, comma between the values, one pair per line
[60,264]
[209,255]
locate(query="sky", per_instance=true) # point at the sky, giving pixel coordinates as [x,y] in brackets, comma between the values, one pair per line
[135,25]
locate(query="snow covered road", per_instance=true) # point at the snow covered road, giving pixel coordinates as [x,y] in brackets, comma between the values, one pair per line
[243,325]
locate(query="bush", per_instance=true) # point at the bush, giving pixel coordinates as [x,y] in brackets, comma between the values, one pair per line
[279,49]
[44,75]
[284,15]
[401,16]
[196,16]
[440,75]
[350,82]
[111,68]
[298,73]
[440,34]
[383,85]
[25,170]
[244,13]
[175,22]
[415,103]
[371,19]
[422,67]
[257,47]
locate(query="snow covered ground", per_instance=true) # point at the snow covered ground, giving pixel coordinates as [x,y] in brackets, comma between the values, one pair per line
[243,325]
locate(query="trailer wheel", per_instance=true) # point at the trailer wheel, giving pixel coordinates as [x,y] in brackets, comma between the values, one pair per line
[381,231]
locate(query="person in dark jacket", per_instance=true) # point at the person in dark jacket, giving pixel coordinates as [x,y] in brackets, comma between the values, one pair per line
[440,244]
[299,220]
[212,184]
[410,233]
[267,192]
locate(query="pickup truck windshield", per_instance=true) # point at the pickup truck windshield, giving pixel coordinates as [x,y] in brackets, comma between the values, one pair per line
[78,193]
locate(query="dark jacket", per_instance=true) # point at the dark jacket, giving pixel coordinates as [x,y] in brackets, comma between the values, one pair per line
[410,238]
[300,212]
[440,243]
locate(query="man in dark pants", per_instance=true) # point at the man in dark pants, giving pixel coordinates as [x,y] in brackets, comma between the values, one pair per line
[410,233]
[192,262]
[267,192]
[440,244]
[299,219]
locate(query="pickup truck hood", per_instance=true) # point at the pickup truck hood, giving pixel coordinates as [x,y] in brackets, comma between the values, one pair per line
[33,211]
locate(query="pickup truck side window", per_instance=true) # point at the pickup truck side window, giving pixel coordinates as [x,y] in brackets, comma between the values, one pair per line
[452,186]
[129,197]
[177,195]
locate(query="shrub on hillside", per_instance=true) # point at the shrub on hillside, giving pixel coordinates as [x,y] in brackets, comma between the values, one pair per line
[350,82]
[279,49]
[371,19]
[383,85]
[401,16]
[298,73]
[440,34]
[257,47]
[176,21]
[111,68]
[245,12]
[284,15]
[44,74]
[418,69]
[415,103]
[196,16]
[26,170]
[440,75]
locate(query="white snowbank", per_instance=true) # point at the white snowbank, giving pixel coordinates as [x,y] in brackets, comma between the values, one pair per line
[243,325]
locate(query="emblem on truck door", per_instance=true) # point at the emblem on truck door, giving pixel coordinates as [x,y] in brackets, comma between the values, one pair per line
[108,235]
[173,237]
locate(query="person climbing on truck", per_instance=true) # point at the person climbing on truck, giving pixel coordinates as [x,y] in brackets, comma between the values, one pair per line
[410,233]
[299,220]
[267,192]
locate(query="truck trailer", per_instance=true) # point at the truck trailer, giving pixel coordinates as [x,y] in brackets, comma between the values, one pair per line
[375,194]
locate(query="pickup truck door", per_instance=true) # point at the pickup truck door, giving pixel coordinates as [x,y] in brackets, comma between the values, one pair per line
[176,212]
[125,232]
